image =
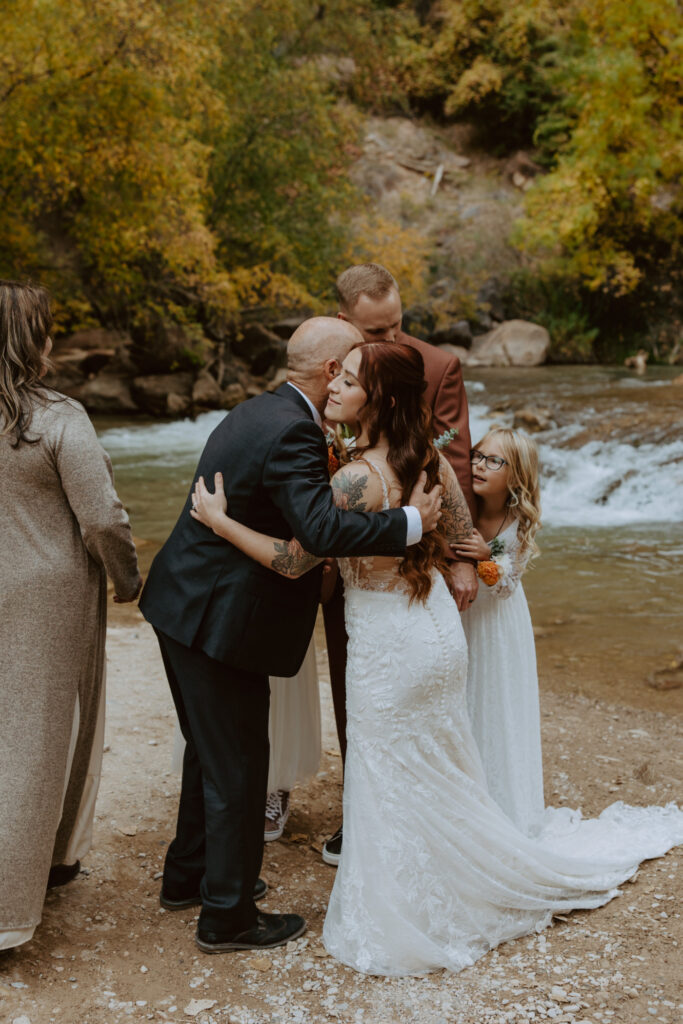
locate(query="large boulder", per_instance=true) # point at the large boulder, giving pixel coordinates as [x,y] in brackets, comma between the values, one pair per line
[92,339]
[164,394]
[106,393]
[458,351]
[512,343]
[262,349]
[88,352]
[206,392]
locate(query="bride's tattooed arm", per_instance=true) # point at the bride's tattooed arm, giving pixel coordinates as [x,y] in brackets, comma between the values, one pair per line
[455,515]
[348,490]
[291,560]
[289,557]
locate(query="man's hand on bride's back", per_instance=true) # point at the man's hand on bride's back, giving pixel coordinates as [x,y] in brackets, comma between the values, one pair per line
[209,508]
[428,504]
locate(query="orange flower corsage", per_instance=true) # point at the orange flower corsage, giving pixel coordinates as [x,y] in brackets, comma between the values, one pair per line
[333,462]
[489,572]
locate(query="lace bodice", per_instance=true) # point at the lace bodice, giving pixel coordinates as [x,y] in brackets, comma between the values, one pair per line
[373,572]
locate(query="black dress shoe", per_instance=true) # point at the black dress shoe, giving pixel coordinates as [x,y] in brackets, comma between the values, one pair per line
[270,930]
[60,874]
[332,848]
[194,899]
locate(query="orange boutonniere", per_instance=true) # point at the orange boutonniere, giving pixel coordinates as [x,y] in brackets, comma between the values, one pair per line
[489,572]
[333,462]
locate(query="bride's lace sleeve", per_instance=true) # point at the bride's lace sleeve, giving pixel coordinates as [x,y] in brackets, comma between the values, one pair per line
[515,562]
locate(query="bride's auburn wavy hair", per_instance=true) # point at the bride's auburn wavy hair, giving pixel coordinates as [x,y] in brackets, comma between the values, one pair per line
[524,492]
[392,376]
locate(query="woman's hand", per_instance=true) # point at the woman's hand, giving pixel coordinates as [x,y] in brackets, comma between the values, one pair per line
[474,547]
[128,600]
[210,509]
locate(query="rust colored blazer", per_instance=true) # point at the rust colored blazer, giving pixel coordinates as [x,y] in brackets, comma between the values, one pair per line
[446,396]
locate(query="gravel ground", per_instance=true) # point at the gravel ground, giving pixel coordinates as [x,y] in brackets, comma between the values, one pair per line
[106,952]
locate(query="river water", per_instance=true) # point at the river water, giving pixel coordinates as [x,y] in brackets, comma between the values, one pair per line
[605,595]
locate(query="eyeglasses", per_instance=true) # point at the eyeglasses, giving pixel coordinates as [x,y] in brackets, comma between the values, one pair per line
[492,462]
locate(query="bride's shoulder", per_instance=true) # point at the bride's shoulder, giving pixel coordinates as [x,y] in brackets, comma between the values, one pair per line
[356,487]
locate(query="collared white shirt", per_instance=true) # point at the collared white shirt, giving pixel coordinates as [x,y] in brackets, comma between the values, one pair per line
[316,415]
[414,525]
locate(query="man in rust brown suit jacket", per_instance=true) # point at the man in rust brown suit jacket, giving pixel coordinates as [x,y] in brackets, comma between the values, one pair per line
[369,299]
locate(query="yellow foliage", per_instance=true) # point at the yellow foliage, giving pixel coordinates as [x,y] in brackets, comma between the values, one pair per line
[403,251]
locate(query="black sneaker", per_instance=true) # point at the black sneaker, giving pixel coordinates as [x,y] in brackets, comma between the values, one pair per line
[270,930]
[60,874]
[195,900]
[332,848]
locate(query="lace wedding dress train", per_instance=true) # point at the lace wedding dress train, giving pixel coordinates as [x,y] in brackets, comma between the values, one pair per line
[433,874]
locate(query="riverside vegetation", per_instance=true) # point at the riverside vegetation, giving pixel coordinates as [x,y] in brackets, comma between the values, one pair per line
[180,173]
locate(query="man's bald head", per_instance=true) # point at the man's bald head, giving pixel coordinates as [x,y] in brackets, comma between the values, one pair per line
[317,341]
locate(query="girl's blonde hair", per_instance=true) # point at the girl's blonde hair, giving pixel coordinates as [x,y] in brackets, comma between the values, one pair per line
[524,498]
[25,322]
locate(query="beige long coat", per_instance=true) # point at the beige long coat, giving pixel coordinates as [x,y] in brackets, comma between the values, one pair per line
[62,529]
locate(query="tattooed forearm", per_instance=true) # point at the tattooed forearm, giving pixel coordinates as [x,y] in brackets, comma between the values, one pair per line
[349,491]
[291,559]
[455,515]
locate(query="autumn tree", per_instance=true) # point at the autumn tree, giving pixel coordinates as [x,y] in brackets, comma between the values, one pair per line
[595,87]
[102,171]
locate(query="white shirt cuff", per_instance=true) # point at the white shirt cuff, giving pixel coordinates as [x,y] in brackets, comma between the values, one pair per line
[414,535]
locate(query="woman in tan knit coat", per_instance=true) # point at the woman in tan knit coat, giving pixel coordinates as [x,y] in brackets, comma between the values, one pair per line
[62,530]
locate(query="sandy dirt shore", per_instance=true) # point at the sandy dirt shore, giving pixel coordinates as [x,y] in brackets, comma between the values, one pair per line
[106,952]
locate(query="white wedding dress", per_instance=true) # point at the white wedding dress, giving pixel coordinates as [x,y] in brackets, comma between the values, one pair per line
[502,692]
[433,874]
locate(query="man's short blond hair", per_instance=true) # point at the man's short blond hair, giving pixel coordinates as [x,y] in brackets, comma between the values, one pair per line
[369,279]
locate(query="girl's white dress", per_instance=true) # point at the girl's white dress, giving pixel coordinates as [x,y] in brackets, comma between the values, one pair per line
[433,874]
[293,728]
[502,691]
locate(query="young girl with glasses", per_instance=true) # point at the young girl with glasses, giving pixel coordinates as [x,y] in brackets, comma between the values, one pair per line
[502,683]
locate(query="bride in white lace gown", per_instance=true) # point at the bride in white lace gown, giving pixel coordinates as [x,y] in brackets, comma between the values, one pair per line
[433,874]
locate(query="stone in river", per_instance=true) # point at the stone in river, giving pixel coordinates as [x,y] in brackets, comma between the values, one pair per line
[533,420]
[512,343]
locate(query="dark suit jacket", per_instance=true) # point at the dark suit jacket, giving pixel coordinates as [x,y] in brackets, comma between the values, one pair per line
[447,399]
[204,593]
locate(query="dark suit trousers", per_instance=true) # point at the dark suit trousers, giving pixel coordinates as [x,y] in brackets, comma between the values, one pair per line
[337,640]
[218,847]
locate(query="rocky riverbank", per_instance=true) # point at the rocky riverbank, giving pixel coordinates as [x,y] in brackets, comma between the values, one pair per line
[105,371]
[107,954]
